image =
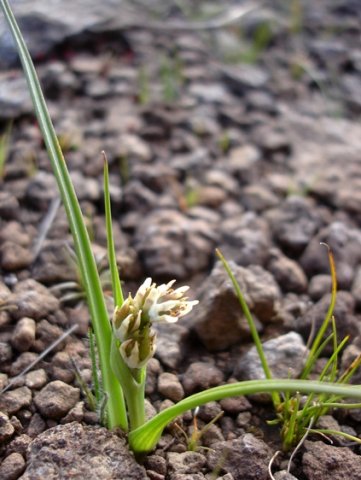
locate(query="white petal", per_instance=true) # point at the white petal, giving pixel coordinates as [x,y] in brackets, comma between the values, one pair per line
[121,332]
[133,359]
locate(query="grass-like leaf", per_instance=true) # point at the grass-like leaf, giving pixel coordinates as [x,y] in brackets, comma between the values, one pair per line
[115,407]
[144,438]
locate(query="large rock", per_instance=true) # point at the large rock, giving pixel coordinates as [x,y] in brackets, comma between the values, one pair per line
[244,458]
[219,320]
[322,461]
[76,451]
[173,245]
[285,356]
[46,23]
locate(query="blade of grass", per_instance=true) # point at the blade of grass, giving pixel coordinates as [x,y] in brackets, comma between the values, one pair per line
[99,315]
[116,286]
[316,343]
[256,340]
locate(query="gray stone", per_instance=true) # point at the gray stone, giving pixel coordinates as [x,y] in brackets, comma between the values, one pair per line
[14,230]
[284,475]
[234,405]
[285,355]
[86,188]
[6,428]
[245,239]
[187,476]
[14,257]
[36,379]
[219,321]
[14,95]
[272,141]
[244,162]
[156,463]
[294,224]
[79,452]
[5,293]
[23,361]
[9,206]
[41,189]
[170,387]
[173,245]
[321,461]
[187,462]
[56,399]
[12,466]
[6,352]
[24,334]
[209,411]
[245,77]
[170,343]
[287,273]
[36,426]
[33,300]
[258,198]
[76,414]
[45,24]
[133,147]
[14,400]
[52,264]
[319,286]
[209,93]
[200,376]
[46,334]
[333,53]
[247,457]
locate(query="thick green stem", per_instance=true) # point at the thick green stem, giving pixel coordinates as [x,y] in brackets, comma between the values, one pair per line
[133,384]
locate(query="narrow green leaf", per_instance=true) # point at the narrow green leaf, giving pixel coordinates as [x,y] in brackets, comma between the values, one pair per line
[87,265]
[252,326]
[116,286]
[144,438]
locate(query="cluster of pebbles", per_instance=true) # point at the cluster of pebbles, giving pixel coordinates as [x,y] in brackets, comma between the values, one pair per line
[260,159]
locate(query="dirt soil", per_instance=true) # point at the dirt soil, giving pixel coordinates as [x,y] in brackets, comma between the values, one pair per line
[246,138]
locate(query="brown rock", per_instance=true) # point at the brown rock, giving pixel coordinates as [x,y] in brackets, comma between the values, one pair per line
[56,399]
[90,452]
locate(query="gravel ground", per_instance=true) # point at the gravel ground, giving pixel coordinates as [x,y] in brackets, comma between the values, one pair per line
[246,138]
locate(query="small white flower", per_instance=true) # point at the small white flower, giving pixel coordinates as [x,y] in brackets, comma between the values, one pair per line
[132,321]
[137,352]
[163,304]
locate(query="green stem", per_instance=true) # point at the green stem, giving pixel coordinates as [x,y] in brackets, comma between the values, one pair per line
[144,438]
[133,384]
[116,414]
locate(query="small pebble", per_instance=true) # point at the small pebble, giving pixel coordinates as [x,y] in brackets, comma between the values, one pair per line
[170,387]
[24,334]
[12,466]
[56,399]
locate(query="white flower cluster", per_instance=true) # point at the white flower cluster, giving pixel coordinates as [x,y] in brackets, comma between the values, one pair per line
[133,320]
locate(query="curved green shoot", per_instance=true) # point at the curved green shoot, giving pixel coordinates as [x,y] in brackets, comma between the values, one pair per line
[115,412]
[252,326]
[315,351]
[143,439]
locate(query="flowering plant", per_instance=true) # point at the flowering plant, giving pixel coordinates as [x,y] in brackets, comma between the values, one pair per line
[127,343]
